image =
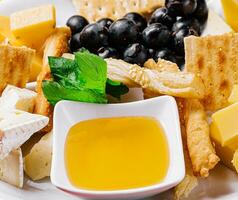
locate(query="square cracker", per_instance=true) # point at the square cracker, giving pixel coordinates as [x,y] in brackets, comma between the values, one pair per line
[94,10]
[215,60]
[15,65]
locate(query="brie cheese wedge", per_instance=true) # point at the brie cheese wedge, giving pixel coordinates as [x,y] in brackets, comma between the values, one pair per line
[18,98]
[16,127]
[11,168]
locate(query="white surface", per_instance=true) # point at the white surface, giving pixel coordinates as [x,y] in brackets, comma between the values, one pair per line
[222,184]
[164,109]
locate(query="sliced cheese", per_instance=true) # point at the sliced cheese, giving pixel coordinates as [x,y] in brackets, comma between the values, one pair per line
[11,168]
[16,127]
[33,26]
[18,98]
[37,163]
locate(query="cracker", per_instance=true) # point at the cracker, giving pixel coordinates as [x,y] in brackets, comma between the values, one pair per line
[15,63]
[215,60]
[94,10]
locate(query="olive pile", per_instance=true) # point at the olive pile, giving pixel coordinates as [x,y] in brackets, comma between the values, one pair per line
[134,39]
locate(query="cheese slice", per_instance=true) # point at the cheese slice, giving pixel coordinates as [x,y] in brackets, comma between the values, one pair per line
[11,168]
[16,127]
[18,98]
[33,26]
[37,163]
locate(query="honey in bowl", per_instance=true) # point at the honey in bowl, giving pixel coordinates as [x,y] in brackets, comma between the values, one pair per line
[116,153]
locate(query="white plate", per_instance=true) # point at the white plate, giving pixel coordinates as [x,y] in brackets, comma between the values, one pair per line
[222,184]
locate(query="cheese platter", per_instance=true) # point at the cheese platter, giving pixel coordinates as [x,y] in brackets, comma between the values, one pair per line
[53,77]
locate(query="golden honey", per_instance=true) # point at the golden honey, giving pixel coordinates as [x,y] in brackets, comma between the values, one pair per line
[116,153]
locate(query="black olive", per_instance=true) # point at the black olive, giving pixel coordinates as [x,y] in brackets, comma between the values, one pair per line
[94,36]
[201,13]
[74,43]
[161,15]
[123,32]
[105,22]
[181,7]
[77,23]
[108,52]
[192,23]
[156,36]
[165,54]
[138,19]
[136,54]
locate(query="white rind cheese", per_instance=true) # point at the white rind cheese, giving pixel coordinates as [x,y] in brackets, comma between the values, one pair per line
[16,127]
[11,168]
[18,98]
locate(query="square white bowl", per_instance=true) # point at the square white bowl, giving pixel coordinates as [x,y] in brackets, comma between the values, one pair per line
[164,109]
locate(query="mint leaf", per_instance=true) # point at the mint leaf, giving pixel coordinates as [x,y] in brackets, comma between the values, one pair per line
[66,72]
[54,92]
[116,89]
[82,79]
[94,69]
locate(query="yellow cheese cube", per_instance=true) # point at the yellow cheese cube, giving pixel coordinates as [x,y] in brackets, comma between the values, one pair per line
[234,95]
[34,25]
[224,127]
[224,133]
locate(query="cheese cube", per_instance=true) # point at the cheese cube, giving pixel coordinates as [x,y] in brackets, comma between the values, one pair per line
[234,95]
[37,163]
[18,98]
[224,133]
[224,127]
[33,26]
